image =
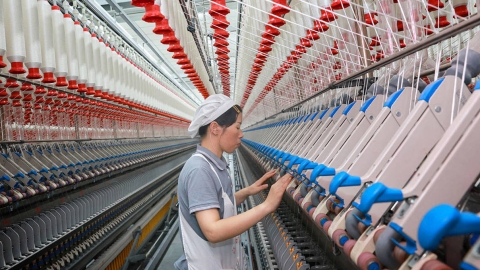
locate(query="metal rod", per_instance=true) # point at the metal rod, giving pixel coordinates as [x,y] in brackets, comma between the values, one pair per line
[432,71]
[152,264]
[189,22]
[239,24]
[87,97]
[136,235]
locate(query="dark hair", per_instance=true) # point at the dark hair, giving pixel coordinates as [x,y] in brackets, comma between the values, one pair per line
[225,120]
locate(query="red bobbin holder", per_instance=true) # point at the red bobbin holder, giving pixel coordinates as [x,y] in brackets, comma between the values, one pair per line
[17,68]
[34,73]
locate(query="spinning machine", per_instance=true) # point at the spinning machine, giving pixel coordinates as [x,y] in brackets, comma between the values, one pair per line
[372,106]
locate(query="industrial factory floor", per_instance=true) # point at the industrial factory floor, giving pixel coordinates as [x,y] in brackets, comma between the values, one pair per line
[173,253]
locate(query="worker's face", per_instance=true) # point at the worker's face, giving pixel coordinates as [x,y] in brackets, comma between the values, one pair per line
[230,137]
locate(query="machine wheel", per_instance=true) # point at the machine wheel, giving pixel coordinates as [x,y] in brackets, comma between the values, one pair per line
[348,246]
[321,219]
[340,237]
[326,226]
[368,261]
[306,205]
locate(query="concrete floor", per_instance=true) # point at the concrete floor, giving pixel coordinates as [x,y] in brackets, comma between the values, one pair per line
[173,253]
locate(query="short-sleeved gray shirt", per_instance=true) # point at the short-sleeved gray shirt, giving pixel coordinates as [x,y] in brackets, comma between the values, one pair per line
[199,188]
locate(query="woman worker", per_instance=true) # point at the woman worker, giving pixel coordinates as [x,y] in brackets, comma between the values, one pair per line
[210,226]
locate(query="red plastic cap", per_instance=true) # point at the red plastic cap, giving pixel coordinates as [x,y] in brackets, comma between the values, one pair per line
[48,77]
[2,64]
[462,11]
[61,82]
[11,83]
[16,95]
[142,3]
[340,4]
[55,8]
[4,101]
[90,91]
[34,73]
[17,68]
[433,5]
[152,14]
[39,90]
[82,88]
[67,16]
[76,22]
[16,103]
[98,93]
[26,87]
[370,18]
[441,22]
[72,85]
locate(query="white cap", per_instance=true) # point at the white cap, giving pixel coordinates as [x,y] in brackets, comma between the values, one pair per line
[211,109]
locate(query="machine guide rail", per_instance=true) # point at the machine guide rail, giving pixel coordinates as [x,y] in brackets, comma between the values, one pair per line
[29,206]
[68,227]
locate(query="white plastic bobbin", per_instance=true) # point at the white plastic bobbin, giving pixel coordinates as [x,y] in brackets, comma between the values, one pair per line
[59,43]
[91,79]
[116,72]
[104,53]
[45,33]
[82,62]
[14,35]
[33,59]
[97,63]
[3,44]
[71,49]
[111,57]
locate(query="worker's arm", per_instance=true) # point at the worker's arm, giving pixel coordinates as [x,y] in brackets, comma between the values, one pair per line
[217,230]
[256,187]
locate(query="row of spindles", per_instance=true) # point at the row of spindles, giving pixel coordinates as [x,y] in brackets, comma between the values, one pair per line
[55,71]
[326,48]
[171,24]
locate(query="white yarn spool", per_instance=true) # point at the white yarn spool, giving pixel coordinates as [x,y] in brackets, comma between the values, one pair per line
[97,64]
[71,50]
[128,80]
[33,59]
[91,79]
[111,71]
[82,62]
[104,52]
[3,44]
[46,40]
[128,76]
[14,35]
[61,70]
[116,73]
[164,8]
[137,81]
[122,75]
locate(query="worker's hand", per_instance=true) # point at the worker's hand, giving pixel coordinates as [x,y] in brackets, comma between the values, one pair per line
[276,192]
[260,185]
